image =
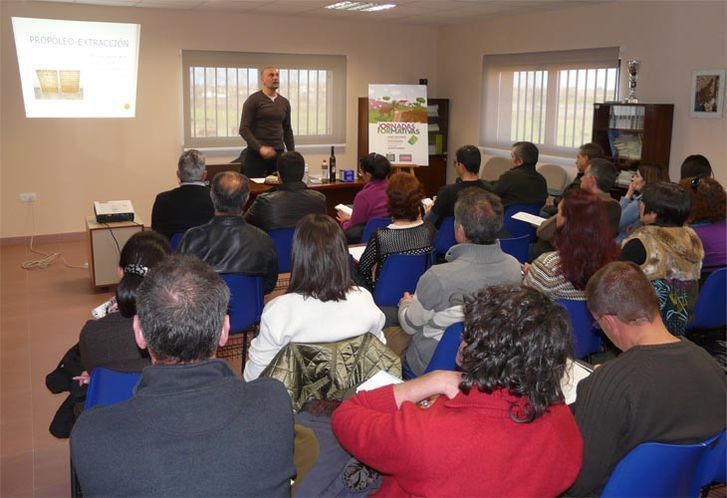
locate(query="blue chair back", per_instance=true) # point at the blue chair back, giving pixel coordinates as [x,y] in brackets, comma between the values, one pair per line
[709,311]
[108,387]
[400,274]
[175,240]
[660,469]
[246,300]
[372,225]
[445,356]
[517,247]
[714,465]
[586,337]
[283,240]
[517,228]
[444,238]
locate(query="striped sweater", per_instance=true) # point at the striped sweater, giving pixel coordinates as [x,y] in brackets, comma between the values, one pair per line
[546,276]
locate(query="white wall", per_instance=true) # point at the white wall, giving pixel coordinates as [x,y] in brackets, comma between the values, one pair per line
[671,38]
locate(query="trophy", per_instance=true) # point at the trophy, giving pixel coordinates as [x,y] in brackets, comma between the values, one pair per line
[633,66]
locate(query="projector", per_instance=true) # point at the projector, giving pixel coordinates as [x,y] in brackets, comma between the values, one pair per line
[113,211]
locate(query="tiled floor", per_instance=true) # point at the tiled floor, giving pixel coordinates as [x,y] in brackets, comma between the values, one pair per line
[41,314]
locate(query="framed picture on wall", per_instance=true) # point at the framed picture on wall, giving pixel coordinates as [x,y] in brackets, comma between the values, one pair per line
[707,95]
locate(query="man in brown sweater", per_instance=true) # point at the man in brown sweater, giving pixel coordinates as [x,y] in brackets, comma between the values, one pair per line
[265,127]
[661,388]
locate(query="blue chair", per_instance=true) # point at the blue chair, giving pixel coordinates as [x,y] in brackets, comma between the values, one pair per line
[660,469]
[709,311]
[586,337]
[108,387]
[399,274]
[516,247]
[283,240]
[444,238]
[176,240]
[445,356]
[246,300]
[714,465]
[517,228]
[371,226]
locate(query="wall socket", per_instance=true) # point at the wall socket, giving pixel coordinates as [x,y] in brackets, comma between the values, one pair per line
[28,197]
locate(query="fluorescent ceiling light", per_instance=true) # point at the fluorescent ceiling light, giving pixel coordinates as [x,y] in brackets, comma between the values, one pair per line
[361,6]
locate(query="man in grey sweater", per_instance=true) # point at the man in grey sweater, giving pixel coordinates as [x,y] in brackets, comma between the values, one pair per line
[476,261]
[192,427]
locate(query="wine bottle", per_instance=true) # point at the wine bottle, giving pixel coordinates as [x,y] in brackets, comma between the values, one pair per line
[332,166]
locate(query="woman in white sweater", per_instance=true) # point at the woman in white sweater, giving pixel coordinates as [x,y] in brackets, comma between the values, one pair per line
[322,303]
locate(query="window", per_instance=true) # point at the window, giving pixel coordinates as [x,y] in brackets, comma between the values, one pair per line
[216,84]
[547,97]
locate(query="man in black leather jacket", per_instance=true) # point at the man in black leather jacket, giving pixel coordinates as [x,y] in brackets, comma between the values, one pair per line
[283,205]
[228,243]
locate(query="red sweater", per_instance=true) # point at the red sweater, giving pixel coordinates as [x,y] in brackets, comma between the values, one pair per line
[466,446]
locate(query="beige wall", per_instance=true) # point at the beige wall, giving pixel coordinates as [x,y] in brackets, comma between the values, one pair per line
[72,162]
[670,38]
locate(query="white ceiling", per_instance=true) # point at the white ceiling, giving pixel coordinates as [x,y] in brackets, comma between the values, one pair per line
[406,11]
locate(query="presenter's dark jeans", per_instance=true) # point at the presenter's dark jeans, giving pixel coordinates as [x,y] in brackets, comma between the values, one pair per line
[254,166]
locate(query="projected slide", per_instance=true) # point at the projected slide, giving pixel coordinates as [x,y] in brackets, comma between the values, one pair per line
[77,69]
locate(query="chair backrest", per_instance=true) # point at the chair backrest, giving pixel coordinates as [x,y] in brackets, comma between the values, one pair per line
[175,240]
[283,241]
[586,338]
[555,176]
[445,355]
[517,247]
[246,300]
[444,238]
[709,311]
[372,225]
[108,387]
[517,228]
[660,469]
[714,464]
[494,167]
[400,274]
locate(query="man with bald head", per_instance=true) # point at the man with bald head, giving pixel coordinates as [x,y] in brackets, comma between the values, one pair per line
[265,127]
[227,242]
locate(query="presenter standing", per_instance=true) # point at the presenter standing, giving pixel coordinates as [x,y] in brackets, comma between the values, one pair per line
[265,126]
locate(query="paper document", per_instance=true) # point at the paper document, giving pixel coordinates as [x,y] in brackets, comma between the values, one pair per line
[575,371]
[344,209]
[257,180]
[380,379]
[427,202]
[528,218]
[356,251]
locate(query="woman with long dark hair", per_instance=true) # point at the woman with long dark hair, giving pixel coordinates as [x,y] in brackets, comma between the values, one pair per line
[322,303]
[707,218]
[583,243]
[498,428]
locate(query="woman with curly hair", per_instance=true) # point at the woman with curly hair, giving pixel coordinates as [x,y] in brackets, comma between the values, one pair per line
[498,428]
[407,233]
[707,218]
[583,245]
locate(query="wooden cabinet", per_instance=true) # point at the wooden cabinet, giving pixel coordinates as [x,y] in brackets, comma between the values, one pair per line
[632,134]
[104,244]
[434,175]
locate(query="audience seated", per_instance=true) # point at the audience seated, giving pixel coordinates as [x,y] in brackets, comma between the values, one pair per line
[467,166]
[669,253]
[283,205]
[695,165]
[188,205]
[707,218]
[474,262]
[586,153]
[227,243]
[630,216]
[192,428]
[522,184]
[371,201]
[661,388]
[407,234]
[322,303]
[583,244]
[498,428]
[109,341]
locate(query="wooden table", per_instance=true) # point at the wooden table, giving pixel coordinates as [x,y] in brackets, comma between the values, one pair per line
[336,193]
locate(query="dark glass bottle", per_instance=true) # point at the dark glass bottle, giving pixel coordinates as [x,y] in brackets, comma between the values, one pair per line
[332,167]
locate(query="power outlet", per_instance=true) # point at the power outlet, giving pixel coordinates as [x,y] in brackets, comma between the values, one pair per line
[28,197]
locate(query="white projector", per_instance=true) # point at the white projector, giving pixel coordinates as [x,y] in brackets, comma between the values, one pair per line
[113,211]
